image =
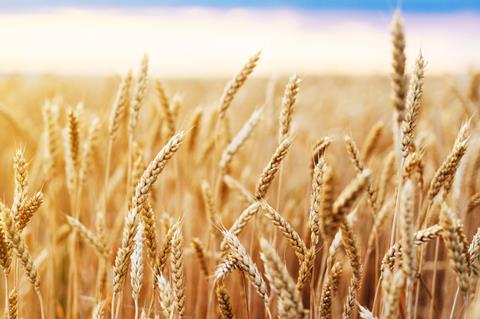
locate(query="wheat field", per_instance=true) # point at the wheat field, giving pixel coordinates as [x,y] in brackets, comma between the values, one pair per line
[249,197]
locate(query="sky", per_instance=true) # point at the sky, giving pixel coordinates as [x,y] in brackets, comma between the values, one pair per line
[407,5]
[210,39]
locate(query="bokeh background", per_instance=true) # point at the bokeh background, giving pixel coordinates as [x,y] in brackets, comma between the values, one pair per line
[210,38]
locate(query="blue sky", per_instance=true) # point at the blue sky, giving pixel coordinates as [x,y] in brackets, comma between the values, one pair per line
[374,5]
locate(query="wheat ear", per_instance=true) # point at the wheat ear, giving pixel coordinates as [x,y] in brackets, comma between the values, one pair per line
[398,78]
[200,253]
[271,169]
[443,177]
[239,139]
[12,304]
[392,286]
[28,209]
[154,169]
[165,108]
[329,290]
[350,245]
[372,140]
[50,118]
[139,94]
[289,301]
[225,310]
[247,265]
[235,84]
[421,237]
[414,100]
[287,230]
[136,265]
[178,272]
[120,105]
[288,105]
[167,302]
[90,237]
[122,259]
[455,240]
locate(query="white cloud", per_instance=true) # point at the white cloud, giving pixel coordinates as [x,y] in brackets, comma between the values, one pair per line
[201,42]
